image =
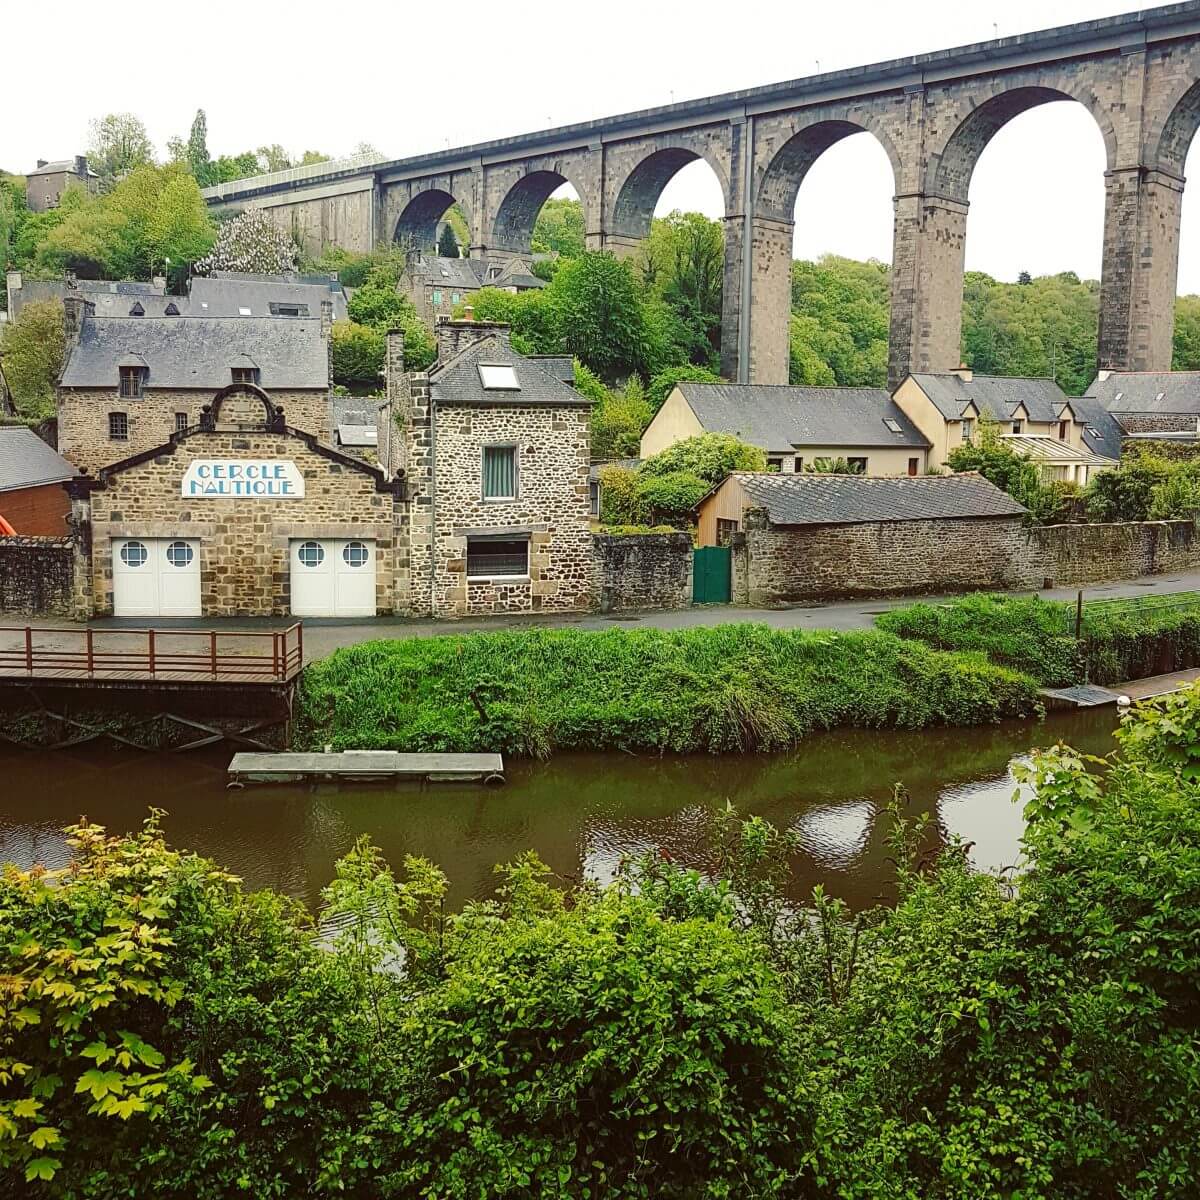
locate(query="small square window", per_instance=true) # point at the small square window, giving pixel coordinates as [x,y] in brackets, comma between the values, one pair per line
[1017,426]
[244,374]
[118,426]
[181,422]
[498,377]
[243,311]
[968,429]
[131,382]
[775,464]
[437,297]
[454,297]
[914,465]
[858,466]
[893,424]
[495,559]
[499,472]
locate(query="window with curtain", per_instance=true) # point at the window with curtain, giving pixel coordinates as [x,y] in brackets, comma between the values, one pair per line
[499,472]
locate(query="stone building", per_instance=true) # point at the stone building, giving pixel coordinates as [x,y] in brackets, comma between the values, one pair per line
[45,184]
[131,382]
[476,501]
[800,537]
[1045,424]
[495,451]
[437,285]
[797,427]
[238,514]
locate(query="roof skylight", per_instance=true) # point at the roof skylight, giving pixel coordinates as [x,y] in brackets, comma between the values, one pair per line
[893,424]
[498,377]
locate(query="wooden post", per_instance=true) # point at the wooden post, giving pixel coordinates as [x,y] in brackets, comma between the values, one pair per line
[91,657]
[1079,614]
[275,653]
[150,640]
[299,644]
[29,649]
[212,651]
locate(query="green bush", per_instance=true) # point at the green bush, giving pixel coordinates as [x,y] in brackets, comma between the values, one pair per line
[710,456]
[1119,641]
[671,499]
[729,688]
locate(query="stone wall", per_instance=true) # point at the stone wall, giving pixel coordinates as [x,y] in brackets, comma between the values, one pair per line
[37,576]
[1063,555]
[1156,422]
[785,565]
[244,563]
[551,507]
[83,419]
[646,570]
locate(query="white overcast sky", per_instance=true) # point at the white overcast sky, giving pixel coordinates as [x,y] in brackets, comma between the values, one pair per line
[411,77]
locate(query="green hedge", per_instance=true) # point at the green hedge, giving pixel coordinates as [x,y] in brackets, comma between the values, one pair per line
[1036,637]
[729,688]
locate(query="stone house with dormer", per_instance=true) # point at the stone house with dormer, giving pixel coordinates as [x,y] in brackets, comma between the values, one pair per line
[128,383]
[494,447]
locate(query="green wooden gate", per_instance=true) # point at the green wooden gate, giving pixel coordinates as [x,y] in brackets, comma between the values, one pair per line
[712,572]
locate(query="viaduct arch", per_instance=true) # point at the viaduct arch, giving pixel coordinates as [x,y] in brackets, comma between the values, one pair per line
[933,114]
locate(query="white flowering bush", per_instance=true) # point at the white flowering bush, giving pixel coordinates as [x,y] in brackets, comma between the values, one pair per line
[250,242]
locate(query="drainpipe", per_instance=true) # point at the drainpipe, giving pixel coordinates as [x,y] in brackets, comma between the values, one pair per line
[743,368]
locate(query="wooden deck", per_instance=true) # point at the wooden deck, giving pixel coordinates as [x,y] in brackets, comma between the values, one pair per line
[123,657]
[365,766]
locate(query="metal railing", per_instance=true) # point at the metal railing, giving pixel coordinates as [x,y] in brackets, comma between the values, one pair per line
[1133,607]
[274,655]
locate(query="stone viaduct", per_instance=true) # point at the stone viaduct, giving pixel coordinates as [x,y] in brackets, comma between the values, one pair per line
[933,114]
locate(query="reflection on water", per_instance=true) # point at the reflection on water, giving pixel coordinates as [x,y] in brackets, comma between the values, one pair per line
[582,813]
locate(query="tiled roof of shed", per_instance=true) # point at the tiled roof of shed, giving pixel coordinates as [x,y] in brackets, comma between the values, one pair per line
[199,352]
[26,461]
[859,499]
[996,396]
[777,417]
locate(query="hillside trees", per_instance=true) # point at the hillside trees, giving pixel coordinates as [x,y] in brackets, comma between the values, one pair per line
[33,349]
[119,143]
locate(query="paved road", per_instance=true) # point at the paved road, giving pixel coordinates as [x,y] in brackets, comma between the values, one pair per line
[323,636]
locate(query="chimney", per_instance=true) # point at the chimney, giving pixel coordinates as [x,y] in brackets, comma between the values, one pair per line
[964,372]
[327,338]
[395,410]
[75,310]
[455,336]
[81,165]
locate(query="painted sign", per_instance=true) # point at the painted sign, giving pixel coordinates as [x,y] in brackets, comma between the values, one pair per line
[249,478]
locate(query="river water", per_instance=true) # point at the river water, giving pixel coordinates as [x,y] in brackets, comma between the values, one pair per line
[581,813]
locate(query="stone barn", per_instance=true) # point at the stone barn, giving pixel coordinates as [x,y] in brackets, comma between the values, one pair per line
[805,537]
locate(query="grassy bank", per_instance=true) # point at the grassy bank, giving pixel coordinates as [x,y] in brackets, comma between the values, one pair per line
[725,689]
[1119,640]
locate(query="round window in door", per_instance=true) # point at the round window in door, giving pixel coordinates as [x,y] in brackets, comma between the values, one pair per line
[134,554]
[311,554]
[179,554]
[355,554]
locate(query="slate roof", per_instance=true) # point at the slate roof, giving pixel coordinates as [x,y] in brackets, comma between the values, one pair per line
[226,297]
[561,366]
[458,381]
[358,435]
[199,352]
[996,396]
[1149,391]
[111,298]
[26,461]
[1101,432]
[860,499]
[780,417]
[519,279]
[58,167]
[451,272]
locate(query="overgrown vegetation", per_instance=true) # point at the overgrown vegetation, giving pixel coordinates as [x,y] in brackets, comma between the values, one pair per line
[665,488]
[33,348]
[732,688]
[1118,640]
[669,1035]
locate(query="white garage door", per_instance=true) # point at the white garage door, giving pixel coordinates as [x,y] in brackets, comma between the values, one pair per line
[333,577]
[156,577]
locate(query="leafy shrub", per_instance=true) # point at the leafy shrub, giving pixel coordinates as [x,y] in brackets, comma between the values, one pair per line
[34,348]
[709,456]
[729,688]
[619,420]
[671,499]
[1126,494]
[620,501]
